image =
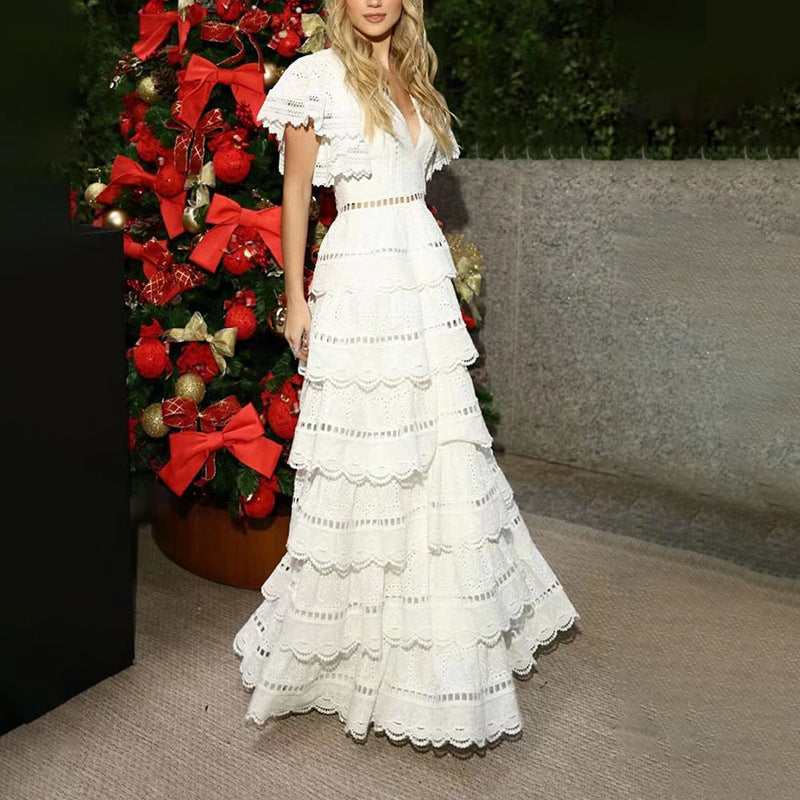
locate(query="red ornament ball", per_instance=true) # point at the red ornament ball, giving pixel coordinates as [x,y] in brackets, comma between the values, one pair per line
[238,261]
[230,10]
[150,358]
[232,164]
[169,181]
[244,319]
[261,502]
[281,419]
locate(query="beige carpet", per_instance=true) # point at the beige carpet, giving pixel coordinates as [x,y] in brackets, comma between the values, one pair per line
[681,682]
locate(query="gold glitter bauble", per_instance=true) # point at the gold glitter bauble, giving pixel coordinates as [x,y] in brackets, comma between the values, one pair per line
[116,218]
[190,385]
[271,74]
[91,193]
[191,223]
[153,423]
[146,89]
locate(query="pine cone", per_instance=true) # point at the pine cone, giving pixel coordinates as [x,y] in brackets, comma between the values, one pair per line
[165,78]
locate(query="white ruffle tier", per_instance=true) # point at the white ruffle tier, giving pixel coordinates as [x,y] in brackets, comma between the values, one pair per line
[364,617]
[411,592]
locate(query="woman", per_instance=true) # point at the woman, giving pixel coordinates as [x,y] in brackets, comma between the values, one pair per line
[411,591]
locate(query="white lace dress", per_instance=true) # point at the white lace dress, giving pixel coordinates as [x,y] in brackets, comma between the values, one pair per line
[411,591]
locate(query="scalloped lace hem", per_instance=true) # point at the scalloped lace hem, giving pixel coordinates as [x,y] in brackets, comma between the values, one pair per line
[369,381]
[348,563]
[519,616]
[509,730]
[391,472]
[318,289]
[400,734]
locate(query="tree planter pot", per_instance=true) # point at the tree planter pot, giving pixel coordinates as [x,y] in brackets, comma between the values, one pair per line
[203,538]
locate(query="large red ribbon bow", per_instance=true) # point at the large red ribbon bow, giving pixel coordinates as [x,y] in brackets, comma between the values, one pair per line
[201,76]
[252,21]
[243,437]
[166,279]
[154,27]
[126,172]
[190,144]
[182,412]
[226,214]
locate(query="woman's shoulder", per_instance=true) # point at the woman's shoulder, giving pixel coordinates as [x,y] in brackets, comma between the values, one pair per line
[319,64]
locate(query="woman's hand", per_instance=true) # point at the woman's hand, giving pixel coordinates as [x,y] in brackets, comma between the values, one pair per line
[298,327]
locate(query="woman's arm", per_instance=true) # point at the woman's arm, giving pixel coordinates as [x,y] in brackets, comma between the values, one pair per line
[302,146]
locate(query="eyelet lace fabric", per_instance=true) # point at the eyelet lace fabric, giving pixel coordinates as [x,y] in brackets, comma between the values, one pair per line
[312,87]
[411,593]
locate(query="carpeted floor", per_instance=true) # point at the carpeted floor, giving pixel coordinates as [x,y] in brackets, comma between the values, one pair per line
[680,682]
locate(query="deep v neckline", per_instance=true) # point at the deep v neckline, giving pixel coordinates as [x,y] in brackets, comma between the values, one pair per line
[405,123]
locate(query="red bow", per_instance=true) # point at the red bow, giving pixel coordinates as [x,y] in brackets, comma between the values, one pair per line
[243,437]
[126,172]
[182,412]
[155,27]
[201,76]
[226,214]
[252,21]
[166,279]
[179,412]
[190,144]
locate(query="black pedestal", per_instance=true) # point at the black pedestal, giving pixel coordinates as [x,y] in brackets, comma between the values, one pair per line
[66,572]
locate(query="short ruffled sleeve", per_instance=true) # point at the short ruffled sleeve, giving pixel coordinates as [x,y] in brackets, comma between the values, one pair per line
[440,158]
[309,89]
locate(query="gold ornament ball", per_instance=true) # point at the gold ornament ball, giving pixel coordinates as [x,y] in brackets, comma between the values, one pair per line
[276,319]
[153,423]
[190,385]
[92,192]
[191,221]
[146,89]
[116,218]
[271,74]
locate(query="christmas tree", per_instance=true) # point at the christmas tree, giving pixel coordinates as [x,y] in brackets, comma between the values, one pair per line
[212,385]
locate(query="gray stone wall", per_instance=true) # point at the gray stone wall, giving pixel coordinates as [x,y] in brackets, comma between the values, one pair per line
[641,317]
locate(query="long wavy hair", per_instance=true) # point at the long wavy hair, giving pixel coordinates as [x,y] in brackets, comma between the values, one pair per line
[412,58]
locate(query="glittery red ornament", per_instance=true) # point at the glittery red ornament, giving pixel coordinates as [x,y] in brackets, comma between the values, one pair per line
[232,164]
[287,42]
[282,415]
[238,261]
[244,319]
[150,358]
[169,181]
[261,502]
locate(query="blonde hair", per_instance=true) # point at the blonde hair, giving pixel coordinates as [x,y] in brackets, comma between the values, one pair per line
[412,58]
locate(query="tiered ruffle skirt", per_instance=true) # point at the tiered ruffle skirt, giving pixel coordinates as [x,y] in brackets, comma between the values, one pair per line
[411,591]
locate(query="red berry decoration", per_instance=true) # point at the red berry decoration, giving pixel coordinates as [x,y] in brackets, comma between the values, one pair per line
[232,164]
[198,357]
[242,318]
[261,502]
[150,358]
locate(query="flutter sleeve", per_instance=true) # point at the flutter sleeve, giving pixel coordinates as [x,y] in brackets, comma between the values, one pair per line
[440,158]
[307,90]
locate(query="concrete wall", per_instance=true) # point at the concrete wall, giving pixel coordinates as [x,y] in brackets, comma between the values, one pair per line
[642,317]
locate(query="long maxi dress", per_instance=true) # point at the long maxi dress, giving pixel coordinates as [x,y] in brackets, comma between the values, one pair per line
[411,591]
